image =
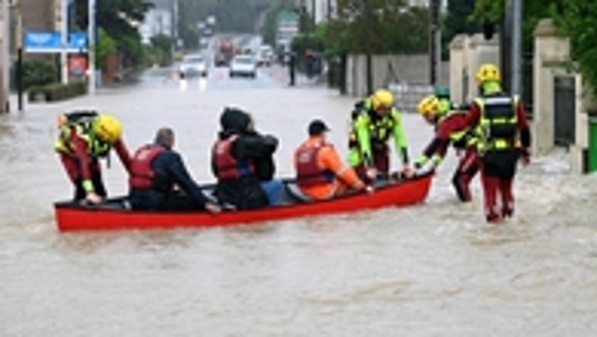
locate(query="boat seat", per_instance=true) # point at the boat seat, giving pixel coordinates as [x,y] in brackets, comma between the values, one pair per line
[295,192]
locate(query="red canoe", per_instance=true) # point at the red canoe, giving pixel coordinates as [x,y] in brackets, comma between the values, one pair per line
[71,216]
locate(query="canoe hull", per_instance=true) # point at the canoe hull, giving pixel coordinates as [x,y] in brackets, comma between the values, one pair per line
[71,217]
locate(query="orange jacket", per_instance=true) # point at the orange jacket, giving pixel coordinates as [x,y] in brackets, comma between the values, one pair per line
[328,159]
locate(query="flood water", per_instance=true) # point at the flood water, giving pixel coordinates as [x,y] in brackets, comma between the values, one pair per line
[431,270]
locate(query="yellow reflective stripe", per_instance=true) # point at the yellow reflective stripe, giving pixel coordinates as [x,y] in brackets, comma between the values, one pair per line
[87,185]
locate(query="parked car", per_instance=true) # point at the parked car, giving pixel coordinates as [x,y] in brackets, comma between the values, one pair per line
[193,65]
[243,65]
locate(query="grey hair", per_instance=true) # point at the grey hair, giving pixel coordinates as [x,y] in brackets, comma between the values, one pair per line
[165,136]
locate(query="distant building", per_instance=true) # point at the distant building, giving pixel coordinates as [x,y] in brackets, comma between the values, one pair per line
[159,20]
[321,10]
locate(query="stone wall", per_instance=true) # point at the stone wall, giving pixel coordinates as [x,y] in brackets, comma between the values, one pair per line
[467,53]
[390,69]
[551,53]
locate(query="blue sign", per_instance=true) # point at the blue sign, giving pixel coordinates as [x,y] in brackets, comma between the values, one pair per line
[50,42]
[77,41]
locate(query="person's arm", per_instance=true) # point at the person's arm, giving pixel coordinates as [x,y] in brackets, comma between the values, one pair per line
[123,154]
[400,141]
[329,159]
[434,152]
[523,126]
[361,126]
[255,146]
[183,179]
[525,132]
[81,152]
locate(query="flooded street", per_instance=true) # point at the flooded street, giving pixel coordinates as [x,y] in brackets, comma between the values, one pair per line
[432,270]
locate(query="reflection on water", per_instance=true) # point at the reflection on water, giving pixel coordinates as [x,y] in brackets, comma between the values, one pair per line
[431,270]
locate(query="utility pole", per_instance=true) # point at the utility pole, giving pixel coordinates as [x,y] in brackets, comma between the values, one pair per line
[368,37]
[516,56]
[19,46]
[91,46]
[329,10]
[5,56]
[64,40]
[434,42]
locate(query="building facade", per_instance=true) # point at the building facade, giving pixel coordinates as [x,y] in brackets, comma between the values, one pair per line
[160,20]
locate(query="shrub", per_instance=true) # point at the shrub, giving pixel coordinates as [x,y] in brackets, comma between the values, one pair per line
[39,73]
[57,91]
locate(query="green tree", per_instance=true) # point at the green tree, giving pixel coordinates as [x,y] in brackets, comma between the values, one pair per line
[119,18]
[576,19]
[457,20]
[390,27]
[105,46]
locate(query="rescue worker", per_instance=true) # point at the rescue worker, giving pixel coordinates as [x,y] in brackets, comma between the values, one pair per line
[321,174]
[84,138]
[159,179]
[374,121]
[242,161]
[443,95]
[505,138]
[464,141]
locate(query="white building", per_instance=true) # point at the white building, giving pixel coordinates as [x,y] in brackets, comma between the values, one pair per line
[320,9]
[158,21]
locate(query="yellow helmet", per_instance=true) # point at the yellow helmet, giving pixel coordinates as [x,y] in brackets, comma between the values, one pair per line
[429,107]
[488,72]
[382,99]
[107,128]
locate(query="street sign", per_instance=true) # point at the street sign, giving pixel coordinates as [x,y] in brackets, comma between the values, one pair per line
[50,42]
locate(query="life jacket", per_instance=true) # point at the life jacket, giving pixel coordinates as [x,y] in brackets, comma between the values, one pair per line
[498,123]
[227,167]
[80,122]
[307,168]
[380,127]
[142,174]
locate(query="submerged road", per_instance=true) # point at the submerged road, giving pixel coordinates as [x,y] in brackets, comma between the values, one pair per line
[432,270]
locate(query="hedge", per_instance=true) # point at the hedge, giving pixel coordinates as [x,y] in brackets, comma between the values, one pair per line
[56,91]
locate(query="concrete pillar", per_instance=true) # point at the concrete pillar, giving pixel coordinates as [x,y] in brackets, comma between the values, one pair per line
[457,68]
[480,51]
[551,51]
[4,56]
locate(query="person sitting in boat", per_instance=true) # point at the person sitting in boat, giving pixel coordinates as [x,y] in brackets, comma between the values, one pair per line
[84,138]
[443,118]
[159,179]
[243,163]
[321,174]
[374,120]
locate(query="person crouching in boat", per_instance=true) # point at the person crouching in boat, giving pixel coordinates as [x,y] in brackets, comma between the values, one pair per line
[446,131]
[84,138]
[157,171]
[374,121]
[242,161]
[321,174]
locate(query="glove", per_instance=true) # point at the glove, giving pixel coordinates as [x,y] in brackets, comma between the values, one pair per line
[407,172]
[371,173]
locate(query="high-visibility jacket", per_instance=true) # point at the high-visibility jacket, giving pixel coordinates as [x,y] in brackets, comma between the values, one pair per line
[369,130]
[81,123]
[498,122]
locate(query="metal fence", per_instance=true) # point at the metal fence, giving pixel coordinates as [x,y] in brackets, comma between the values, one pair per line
[408,95]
